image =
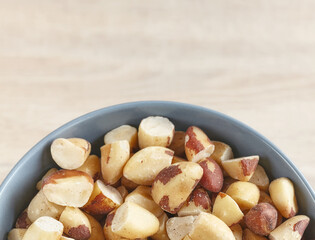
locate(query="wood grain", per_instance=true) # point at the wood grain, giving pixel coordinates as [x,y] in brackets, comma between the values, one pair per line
[252,60]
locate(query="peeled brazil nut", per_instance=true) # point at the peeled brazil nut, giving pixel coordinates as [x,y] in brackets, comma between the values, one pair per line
[226,209]
[198,201]
[145,164]
[178,227]
[44,228]
[261,219]
[173,185]
[107,229]
[76,224]
[245,194]
[68,188]
[212,178]
[260,178]
[133,221]
[113,159]
[209,227]
[40,206]
[161,234]
[222,152]
[197,144]
[283,196]
[237,231]
[70,153]
[123,132]
[292,228]
[142,196]
[155,131]
[92,166]
[16,234]
[103,199]
[241,168]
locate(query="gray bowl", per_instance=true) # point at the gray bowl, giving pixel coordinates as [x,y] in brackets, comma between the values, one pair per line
[18,188]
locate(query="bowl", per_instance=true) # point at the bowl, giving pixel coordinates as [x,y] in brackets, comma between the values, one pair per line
[18,188]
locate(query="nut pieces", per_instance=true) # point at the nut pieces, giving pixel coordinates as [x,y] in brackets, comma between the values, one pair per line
[174,172]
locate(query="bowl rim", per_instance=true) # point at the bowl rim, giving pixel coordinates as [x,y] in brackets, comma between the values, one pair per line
[98,112]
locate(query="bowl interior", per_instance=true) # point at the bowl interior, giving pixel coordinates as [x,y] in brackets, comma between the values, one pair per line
[19,187]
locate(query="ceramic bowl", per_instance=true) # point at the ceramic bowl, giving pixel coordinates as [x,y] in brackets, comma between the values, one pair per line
[18,188]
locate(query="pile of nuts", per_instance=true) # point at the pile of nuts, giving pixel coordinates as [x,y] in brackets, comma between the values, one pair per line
[158,183]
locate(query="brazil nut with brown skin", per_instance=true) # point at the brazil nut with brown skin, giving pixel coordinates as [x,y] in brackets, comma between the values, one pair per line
[212,178]
[76,224]
[173,185]
[103,199]
[261,219]
[198,201]
[293,228]
[241,168]
[197,144]
[68,188]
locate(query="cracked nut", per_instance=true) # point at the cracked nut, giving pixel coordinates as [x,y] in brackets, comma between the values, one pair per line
[68,188]
[226,209]
[198,201]
[46,228]
[70,153]
[165,190]
[114,156]
[76,224]
[197,144]
[40,206]
[133,221]
[124,132]
[209,227]
[178,227]
[92,166]
[103,199]
[142,196]
[241,168]
[155,131]
[245,194]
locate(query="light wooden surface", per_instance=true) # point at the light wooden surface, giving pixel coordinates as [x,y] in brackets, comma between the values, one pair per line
[253,60]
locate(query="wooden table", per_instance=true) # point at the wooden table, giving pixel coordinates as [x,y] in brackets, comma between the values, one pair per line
[252,60]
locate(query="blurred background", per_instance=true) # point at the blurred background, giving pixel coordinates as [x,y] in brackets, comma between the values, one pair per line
[252,60]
